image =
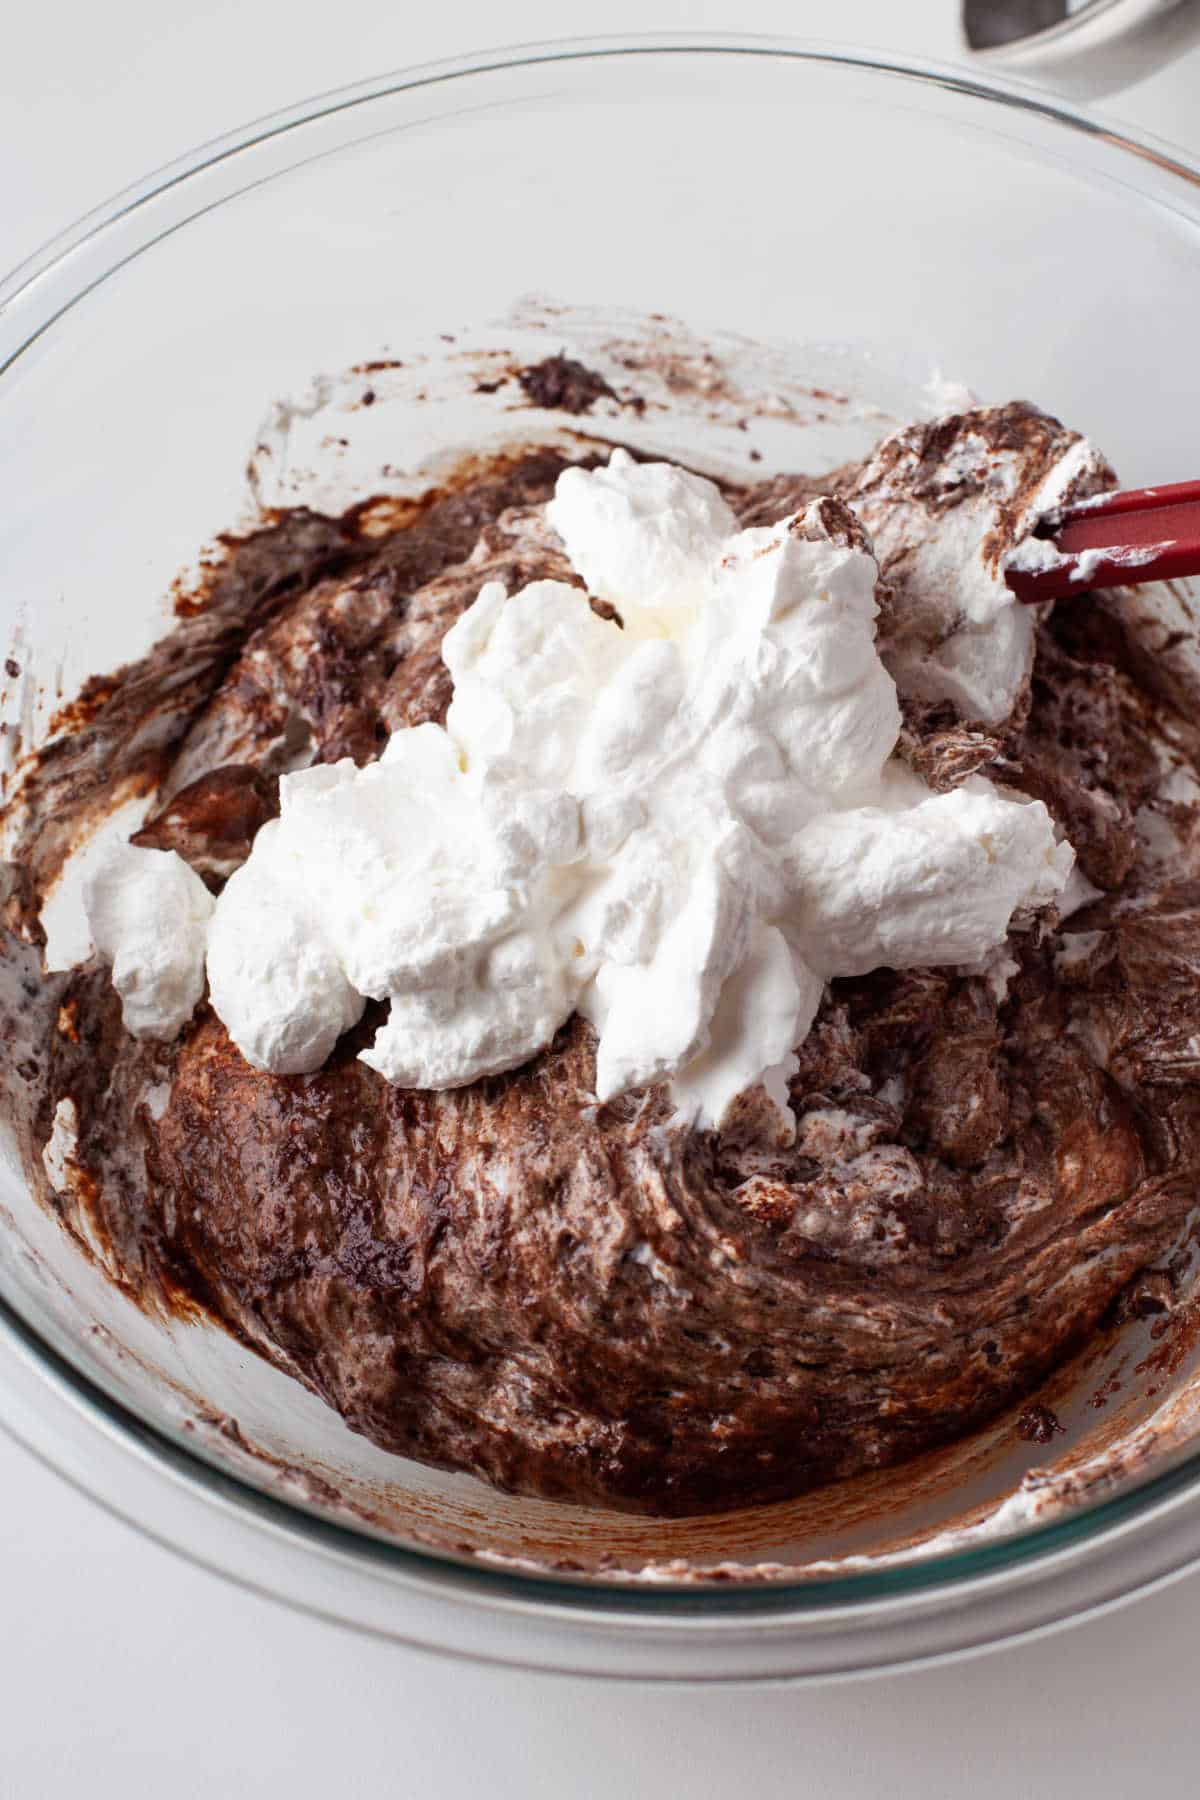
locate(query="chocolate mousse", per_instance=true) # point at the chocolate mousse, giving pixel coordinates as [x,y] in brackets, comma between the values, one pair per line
[604,1303]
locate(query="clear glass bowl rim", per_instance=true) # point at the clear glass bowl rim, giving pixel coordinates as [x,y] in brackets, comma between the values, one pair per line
[30,304]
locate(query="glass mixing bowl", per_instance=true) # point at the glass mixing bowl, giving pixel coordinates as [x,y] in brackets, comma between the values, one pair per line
[792,194]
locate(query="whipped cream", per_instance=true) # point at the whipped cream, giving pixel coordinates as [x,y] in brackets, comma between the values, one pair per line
[681,821]
[148,914]
[1040,556]
[949,506]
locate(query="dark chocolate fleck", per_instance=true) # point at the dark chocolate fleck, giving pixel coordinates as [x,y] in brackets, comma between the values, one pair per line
[1039,1425]
[560,384]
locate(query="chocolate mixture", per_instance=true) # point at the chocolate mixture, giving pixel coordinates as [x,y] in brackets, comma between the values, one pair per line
[593,1303]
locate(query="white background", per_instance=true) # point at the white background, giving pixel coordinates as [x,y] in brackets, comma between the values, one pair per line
[122,1666]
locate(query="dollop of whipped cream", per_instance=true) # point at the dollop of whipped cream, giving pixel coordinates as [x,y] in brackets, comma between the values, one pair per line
[148,914]
[668,802]
[950,504]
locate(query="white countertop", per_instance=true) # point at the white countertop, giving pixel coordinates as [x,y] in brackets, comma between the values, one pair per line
[121,1664]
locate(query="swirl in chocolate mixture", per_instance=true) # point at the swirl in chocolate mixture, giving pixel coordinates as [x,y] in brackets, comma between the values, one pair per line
[598,1304]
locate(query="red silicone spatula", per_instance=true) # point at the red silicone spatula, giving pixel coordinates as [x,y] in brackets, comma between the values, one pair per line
[1148,534]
